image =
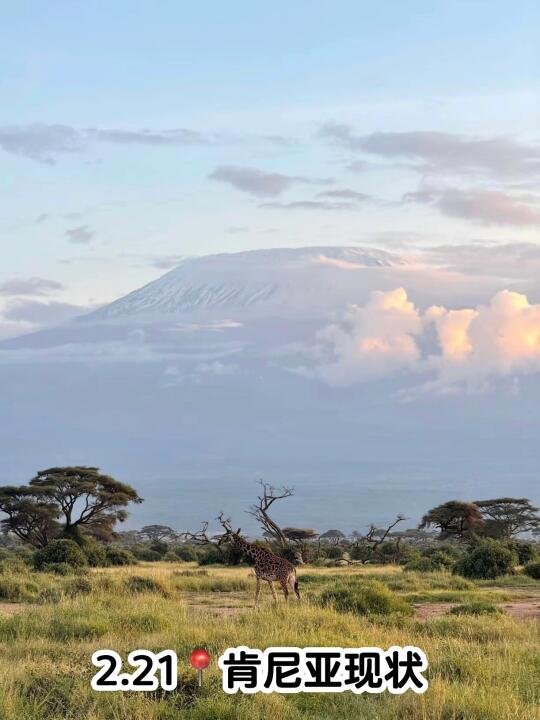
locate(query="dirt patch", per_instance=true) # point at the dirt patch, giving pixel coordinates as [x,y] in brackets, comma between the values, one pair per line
[428,611]
[522,609]
[7,608]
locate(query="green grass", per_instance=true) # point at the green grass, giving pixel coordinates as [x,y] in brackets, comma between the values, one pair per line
[482,667]
[476,607]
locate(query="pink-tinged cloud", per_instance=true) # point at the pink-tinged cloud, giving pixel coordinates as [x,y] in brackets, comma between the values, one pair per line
[472,346]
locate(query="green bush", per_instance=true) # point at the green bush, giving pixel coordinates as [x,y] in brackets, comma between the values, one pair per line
[442,560]
[160,547]
[119,556]
[527,552]
[487,560]
[142,583]
[185,552]
[143,552]
[365,598]
[59,552]
[95,552]
[210,556]
[170,556]
[358,552]
[532,569]
[419,564]
[476,607]
[334,552]
[60,568]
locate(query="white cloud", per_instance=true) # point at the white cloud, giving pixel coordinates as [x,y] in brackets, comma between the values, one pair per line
[375,340]
[389,335]
[501,338]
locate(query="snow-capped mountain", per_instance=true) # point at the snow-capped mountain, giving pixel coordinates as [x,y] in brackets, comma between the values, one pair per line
[238,366]
[261,279]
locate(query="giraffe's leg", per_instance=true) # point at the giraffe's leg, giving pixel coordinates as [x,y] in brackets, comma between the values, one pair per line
[272,590]
[257,589]
[285,589]
[294,585]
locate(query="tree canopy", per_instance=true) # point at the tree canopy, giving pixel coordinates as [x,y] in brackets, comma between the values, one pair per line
[455,518]
[65,501]
[506,517]
[299,534]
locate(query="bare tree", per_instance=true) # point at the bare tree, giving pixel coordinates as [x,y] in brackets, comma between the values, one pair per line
[376,536]
[259,510]
[200,537]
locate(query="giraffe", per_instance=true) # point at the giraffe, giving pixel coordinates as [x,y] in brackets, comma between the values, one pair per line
[269,567]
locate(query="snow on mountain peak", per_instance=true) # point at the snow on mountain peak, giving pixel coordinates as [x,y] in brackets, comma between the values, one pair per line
[254,279]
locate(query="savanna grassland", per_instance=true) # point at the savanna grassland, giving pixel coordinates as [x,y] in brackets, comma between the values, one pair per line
[484,662]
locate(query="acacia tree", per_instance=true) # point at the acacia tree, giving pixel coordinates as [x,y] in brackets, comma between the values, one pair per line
[333,536]
[32,517]
[87,499]
[299,535]
[66,501]
[454,519]
[158,533]
[506,517]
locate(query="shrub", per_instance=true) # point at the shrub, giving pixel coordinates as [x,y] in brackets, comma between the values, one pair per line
[59,552]
[119,556]
[527,552]
[170,556]
[532,569]
[95,553]
[78,586]
[186,553]
[334,552]
[419,564]
[365,598]
[442,560]
[145,553]
[142,583]
[210,556]
[487,560]
[476,607]
[160,547]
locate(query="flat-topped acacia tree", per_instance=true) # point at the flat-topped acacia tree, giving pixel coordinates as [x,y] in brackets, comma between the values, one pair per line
[66,502]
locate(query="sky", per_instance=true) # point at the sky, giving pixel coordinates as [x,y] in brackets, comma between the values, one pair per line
[135,134]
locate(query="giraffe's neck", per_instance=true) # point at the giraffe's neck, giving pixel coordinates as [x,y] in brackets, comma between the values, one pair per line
[246,546]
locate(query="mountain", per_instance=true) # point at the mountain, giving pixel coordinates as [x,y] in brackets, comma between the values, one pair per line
[216,374]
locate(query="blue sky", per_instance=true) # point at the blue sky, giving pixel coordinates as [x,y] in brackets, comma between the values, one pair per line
[132,134]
